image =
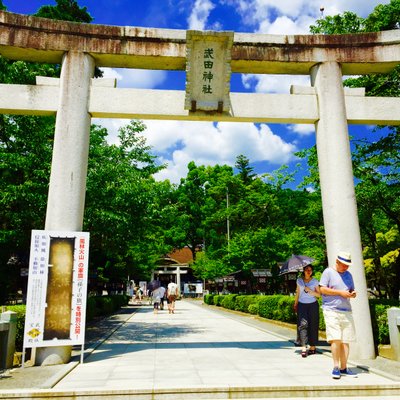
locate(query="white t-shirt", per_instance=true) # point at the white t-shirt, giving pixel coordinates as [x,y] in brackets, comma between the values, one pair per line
[172,289]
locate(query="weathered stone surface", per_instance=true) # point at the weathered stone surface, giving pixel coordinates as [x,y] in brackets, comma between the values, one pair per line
[44,40]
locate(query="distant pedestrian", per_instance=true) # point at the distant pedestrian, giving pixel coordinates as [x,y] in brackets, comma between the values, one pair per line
[337,288]
[306,306]
[172,294]
[163,291]
[157,294]
[131,291]
[139,293]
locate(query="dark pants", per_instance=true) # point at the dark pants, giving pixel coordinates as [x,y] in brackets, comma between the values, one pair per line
[308,323]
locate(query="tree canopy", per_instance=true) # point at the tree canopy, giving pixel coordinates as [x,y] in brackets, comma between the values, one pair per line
[375,158]
[231,218]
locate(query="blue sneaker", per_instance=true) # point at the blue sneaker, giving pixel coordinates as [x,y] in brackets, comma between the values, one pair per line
[348,372]
[336,373]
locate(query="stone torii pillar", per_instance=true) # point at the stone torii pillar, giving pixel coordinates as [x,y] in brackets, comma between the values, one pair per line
[342,230]
[67,188]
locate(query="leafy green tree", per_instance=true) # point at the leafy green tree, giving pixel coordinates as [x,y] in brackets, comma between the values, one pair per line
[349,22]
[376,162]
[189,211]
[244,169]
[380,262]
[119,201]
[25,154]
[384,17]
[206,268]
[65,10]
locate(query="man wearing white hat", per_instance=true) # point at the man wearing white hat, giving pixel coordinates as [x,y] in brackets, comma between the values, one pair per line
[337,288]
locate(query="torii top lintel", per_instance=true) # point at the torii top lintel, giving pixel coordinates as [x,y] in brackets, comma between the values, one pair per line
[44,40]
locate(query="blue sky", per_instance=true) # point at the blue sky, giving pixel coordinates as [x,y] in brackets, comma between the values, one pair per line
[176,143]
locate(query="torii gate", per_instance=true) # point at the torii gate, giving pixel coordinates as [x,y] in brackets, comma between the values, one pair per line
[75,98]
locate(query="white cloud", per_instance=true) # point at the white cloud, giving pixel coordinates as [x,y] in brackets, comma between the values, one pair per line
[286,25]
[302,129]
[198,18]
[176,169]
[136,78]
[112,126]
[256,12]
[179,142]
[208,144]
[273,83]
[361,7]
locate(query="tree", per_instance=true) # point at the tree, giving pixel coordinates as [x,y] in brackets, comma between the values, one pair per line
[120,198]
[65,10]
[25,154]
[376,162]
[349,22]
[245,171]
[190,200]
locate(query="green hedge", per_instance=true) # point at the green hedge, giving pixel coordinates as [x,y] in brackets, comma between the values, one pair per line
[96,306]
[380,327]
[19,338]
[243,302]
[217,300]
[280,308]
[209,299]
[228,301]
[268,307]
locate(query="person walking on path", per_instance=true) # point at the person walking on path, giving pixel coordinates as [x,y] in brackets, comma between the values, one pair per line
[337,288]
[172,294]
[162,292]
[306,306]
[157,295]
[138,294]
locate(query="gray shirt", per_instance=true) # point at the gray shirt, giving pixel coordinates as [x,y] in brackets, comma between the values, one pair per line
[332,279]
[306,297]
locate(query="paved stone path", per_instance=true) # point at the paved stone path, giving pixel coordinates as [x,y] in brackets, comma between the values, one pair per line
[199,348]
[200,352]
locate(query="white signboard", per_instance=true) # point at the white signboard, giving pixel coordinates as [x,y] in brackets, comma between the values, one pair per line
[57,288]
[193,288]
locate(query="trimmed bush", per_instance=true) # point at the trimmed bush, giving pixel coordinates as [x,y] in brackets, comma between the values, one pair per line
[380,327]
[19,338]
[286,312]
[218,299]
[209,299]
[105,305]
[96,306]
[254,308]
[322,326]
[229,301]
[119,300]
[92,310]
[243,302]
[268,306]
[280,308]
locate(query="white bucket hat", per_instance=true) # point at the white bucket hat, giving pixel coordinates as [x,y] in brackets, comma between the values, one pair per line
[344,258]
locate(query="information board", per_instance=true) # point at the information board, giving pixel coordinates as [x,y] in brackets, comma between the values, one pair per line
[57,289]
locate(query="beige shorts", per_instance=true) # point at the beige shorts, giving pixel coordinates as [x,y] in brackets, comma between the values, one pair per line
[339,326]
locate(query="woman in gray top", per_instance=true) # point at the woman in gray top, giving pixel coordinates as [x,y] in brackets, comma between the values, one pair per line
[306,306]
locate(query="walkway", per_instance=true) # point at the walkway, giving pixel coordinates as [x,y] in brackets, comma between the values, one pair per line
[199,352]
